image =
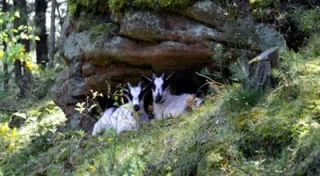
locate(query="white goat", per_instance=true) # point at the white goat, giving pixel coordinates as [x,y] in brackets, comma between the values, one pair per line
[168,105]
[127,117]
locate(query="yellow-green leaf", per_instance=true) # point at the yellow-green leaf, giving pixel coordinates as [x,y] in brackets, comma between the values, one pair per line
[1,54]
[17,14]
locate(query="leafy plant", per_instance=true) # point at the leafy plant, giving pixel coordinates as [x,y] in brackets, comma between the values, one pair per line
[11,45]
[90,103]
[306,20]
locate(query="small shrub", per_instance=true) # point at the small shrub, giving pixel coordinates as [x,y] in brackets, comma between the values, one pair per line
[239,99]
[306,20]
[117,5]
[269,136]
[133,166]
[313,47]
[263,3]
[9,140]
[306,159]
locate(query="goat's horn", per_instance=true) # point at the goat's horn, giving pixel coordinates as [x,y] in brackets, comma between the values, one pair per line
[146,78]
[168,77]
[127,97]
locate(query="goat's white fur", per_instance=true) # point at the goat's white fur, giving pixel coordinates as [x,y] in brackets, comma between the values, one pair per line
[123,118]
[171,105]
[102,123]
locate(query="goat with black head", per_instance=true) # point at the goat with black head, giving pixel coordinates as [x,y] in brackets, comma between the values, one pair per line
[128,116]
[160,87]
[166,104]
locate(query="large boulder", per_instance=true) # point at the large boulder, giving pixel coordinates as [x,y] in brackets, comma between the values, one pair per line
[110,50]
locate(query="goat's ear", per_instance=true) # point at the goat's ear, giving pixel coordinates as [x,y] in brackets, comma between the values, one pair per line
[170,76]
[129,85]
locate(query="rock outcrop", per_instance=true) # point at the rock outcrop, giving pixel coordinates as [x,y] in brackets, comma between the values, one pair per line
[116,48]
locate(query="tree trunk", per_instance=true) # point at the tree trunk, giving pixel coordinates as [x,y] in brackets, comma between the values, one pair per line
[59,14]
[23,76]
[18,73]
[5,65]
[52,32]
[6,77]
[40,21]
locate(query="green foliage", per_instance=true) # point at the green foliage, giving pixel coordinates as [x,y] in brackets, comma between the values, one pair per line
[9,139]
[162,4]
[12,37]
[278,131]
[11,45]
[87,107]
[75,6]
[264,10]
[263,3]
[133,166]
[95,6]
[72,7]
[39,123]
[268,135]
[28,131]
[102,29]
[313,48]
[240,98]
[306,155]
[5,94]
[306,20]
[117,5]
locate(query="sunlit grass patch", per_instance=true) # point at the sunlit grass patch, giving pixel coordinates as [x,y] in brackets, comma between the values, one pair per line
[18,144]
[158,146]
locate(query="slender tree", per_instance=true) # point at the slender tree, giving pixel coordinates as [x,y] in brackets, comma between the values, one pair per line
[52,31]
[40,22]
[5,65]
[59,13]
[23,76]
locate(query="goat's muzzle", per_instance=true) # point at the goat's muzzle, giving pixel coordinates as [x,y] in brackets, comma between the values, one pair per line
[158,99]
[136,107]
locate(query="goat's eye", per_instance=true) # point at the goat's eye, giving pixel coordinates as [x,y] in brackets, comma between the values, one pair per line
[153,87]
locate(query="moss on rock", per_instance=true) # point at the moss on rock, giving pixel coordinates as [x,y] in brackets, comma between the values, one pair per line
[75,6]
[102,29]
[95,6]
[169,4]
[263,3]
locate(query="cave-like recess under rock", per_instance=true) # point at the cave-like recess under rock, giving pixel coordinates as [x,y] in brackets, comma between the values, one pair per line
[116,48]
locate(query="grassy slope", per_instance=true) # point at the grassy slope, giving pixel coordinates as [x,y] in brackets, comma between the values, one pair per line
[233,134]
